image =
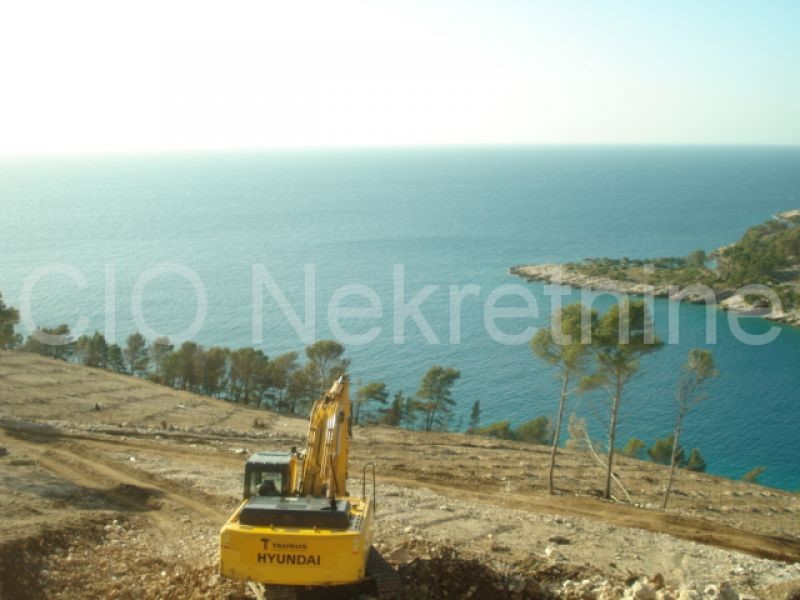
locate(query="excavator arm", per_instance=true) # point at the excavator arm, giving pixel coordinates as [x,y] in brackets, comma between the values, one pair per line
[328,445]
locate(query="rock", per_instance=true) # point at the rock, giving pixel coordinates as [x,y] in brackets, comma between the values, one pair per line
[726,591]
[711,591]
[688,595]
[657,581]
[533,588]
[400,555]
[608,592]
[551,553]
[641,591]
[559,539]
[517,586]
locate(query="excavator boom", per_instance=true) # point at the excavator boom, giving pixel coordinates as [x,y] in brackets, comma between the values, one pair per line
[327,449]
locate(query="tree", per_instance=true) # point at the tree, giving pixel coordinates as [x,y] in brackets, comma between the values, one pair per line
[569,356]
[753,475]
[697,370]
[190,358]
[501,430]
[115,362]
[696,462]
[434,397]
[54,342]
[697,258]
[159,350]
[214,371]
[374,391]
[169,370]
[619,339]
[576,427]
[328,360]
[662,452]
[474,417]
[246,375]
[536,431]
[264,382]
[302,388]
[282,367]
[634,448]
[9,317]
[136,354]
[93,350]
[410,412]
[394,414]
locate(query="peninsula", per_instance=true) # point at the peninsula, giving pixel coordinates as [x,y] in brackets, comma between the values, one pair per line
[767,255]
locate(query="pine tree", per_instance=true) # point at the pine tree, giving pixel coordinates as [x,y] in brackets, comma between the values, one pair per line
[115,361]
[663,451]
[434,397]
[696,462]
[561,345]
[395,413]
[634,448]
[136,354]
[54,342]
[474,417]
[372,392]
[619,339]
[9,317]
[697,370]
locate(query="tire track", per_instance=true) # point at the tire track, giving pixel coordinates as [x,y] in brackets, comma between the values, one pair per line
[111,479]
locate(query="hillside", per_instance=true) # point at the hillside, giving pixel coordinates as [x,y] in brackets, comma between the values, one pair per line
[116,487]
[767,255]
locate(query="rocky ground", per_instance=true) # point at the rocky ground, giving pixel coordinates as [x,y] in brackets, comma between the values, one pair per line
[116,488]
[563,275]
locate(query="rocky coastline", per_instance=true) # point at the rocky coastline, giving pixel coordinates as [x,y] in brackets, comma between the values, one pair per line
[727,299]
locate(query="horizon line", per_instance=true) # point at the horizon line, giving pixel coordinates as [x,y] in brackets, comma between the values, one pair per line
[140,152]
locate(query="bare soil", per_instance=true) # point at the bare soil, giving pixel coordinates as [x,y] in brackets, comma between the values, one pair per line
[112,487]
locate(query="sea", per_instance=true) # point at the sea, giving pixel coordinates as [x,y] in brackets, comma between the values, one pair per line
[403,254]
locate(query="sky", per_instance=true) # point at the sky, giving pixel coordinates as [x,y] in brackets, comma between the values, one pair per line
[102,76]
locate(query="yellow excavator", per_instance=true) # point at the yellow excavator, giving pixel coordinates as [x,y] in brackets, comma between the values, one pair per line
[298,532]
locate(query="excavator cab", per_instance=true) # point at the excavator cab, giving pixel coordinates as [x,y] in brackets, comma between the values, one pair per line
[270,474]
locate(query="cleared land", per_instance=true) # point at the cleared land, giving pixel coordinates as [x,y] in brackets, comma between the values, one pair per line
[115,487]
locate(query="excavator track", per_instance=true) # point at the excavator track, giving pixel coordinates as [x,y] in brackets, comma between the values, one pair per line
[273,592]
[388,583]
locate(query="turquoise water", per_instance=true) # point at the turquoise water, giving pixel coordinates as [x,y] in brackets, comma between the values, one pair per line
[451,217]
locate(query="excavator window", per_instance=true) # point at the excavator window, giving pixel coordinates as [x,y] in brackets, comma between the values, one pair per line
[266,483]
